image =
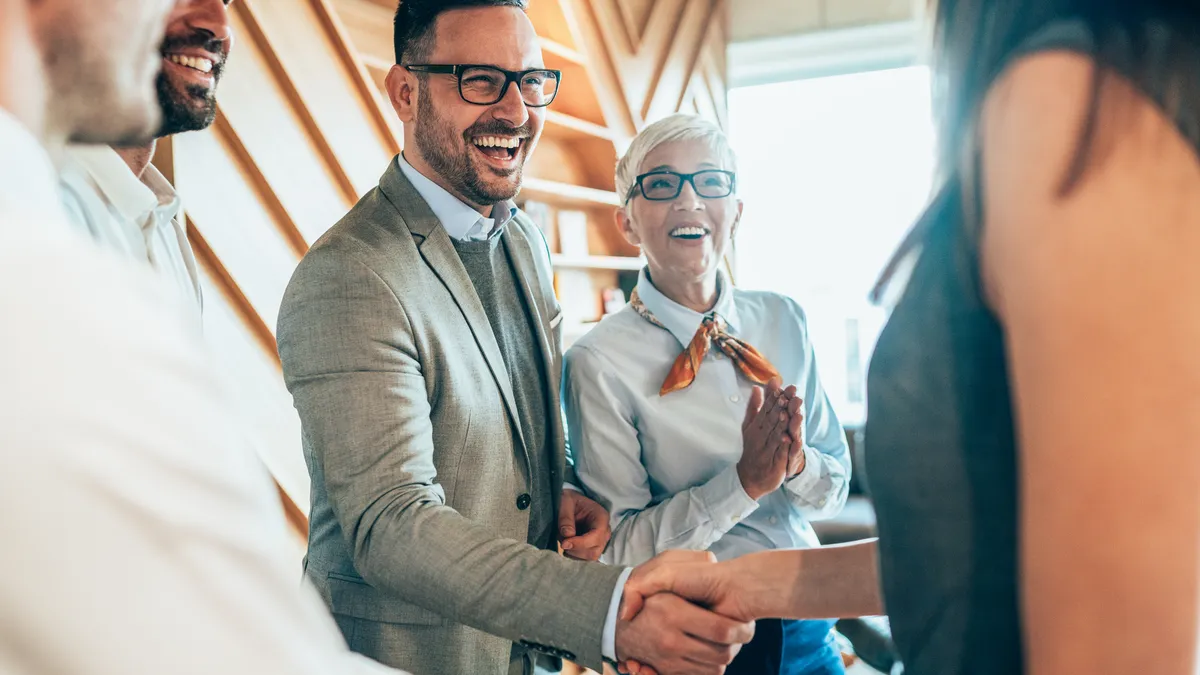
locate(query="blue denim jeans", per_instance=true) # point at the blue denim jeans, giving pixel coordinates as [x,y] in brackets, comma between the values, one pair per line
[809,648]
[789,648]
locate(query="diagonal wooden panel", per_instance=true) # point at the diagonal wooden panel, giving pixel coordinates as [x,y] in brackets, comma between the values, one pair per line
[637,14]
[278,132]
[327,90]
[603,70]
[388,125]
[285,81]
[655,48]
[269,422]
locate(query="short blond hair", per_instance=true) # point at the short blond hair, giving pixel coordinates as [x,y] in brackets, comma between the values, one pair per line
[679,127]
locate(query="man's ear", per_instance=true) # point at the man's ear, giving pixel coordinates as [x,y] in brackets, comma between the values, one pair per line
[401,88]
[625,225]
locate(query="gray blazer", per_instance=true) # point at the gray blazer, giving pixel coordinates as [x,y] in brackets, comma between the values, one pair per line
[417,541]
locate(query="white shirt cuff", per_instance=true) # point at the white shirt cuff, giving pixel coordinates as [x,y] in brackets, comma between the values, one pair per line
[608,640]
[726,500]
[810,476]
[572,486]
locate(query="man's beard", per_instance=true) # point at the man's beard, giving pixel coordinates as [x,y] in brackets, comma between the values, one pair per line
[439,146]
[193,109]
[190,107]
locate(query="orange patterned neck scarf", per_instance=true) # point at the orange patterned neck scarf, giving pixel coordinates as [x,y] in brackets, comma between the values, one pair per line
[745,358]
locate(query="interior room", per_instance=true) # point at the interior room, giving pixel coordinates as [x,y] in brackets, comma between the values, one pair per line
[651,337]
[822,99]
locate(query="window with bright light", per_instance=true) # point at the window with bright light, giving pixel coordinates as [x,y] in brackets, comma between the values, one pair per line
[833,172]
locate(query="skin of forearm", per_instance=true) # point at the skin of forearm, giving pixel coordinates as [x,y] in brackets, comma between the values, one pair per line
[818,583]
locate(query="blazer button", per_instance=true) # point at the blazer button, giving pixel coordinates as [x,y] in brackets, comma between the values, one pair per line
[524,501]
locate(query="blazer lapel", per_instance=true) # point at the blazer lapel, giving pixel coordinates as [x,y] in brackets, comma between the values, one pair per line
[439,253]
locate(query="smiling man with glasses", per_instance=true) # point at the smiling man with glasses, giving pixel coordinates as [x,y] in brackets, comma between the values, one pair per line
[421,341]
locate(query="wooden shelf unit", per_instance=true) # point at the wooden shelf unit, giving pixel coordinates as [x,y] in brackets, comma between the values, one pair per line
[561,51]
[566,194]
[598,262]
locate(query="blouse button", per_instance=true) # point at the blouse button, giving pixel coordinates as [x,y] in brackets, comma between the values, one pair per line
[735,398]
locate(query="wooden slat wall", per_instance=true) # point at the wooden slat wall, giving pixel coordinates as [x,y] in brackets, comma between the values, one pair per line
[301,134]
[654,54]
[303,131]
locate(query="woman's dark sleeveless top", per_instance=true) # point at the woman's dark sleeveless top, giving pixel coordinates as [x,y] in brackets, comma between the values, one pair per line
[941,459]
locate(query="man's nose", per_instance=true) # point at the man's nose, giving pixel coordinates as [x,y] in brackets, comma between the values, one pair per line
[511,107]
[210,16]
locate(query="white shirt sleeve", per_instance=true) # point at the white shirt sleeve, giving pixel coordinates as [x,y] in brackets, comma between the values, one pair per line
[141,533]
[819,491]
[609,465]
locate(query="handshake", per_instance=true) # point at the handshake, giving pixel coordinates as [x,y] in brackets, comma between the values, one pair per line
[684,613]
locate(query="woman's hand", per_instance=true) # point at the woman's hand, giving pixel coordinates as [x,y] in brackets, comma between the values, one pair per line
[772,447]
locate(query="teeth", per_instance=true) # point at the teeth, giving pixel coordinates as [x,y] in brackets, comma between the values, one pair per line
[497,141]
[194,62]
[688,231]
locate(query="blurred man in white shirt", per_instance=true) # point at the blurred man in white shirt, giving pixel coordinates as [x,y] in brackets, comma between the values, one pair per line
[141,534]
[114,193]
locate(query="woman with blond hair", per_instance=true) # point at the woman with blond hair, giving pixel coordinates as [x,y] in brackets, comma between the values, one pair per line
[696,415]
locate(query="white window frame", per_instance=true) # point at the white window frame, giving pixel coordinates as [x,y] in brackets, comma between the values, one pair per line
[825,53]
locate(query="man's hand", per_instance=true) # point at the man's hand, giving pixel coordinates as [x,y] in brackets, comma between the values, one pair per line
[675,637]
[721,587]
[583,527]
[664,634]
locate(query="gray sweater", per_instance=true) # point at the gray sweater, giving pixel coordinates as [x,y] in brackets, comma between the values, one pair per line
[490,267]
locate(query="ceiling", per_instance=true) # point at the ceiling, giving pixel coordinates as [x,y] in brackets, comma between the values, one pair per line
[756,19]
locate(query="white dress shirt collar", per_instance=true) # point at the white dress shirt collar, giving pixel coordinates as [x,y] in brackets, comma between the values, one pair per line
[459,220]
[28,179]
[132,197]
[681,321]
[140,218]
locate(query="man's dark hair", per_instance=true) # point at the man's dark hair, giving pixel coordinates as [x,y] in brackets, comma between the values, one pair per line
[413,36]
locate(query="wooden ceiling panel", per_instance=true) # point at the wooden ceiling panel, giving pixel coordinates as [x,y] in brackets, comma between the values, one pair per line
[637,15]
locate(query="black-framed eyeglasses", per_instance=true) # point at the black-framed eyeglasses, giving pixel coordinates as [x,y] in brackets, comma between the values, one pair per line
[663,186]
[486,85]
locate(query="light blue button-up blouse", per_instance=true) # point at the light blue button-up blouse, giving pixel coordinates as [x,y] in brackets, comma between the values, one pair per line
[666,466]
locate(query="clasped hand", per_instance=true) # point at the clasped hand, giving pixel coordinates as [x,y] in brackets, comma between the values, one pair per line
[667,624]
[772,439]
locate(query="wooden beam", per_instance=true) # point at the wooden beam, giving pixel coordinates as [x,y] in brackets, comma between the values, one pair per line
[562,51]
[567,194]
[164,158]
[573,128]
[262,188]
[286,81]
[261,333]
[385,123]
[602,70]
[598,262]
[232,292]
[292,513]
[695,55]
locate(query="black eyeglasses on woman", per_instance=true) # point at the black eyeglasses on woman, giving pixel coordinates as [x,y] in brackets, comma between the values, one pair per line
[663,186]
